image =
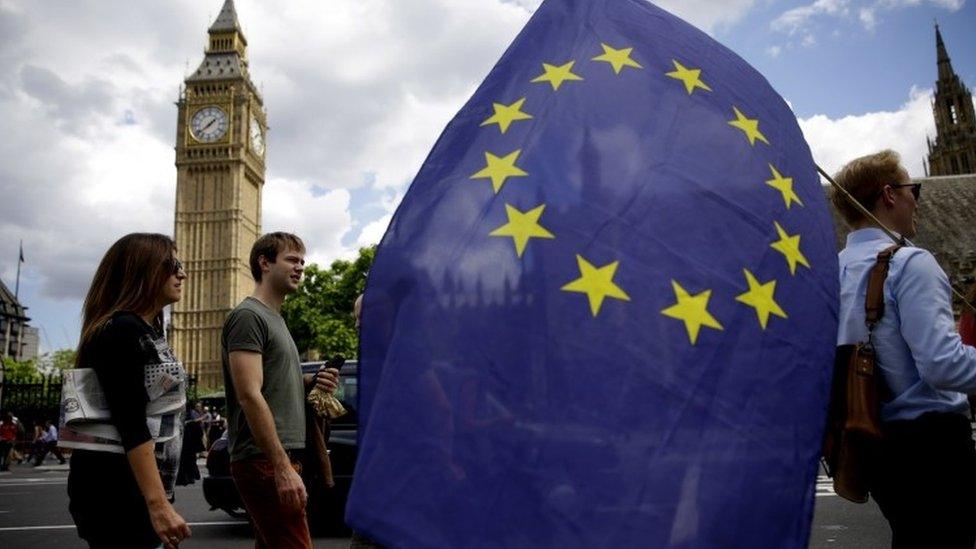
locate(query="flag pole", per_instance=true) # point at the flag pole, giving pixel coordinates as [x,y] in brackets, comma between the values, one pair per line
[896,238]
[20,259]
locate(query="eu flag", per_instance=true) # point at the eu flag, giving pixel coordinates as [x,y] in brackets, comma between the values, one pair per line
[605,312]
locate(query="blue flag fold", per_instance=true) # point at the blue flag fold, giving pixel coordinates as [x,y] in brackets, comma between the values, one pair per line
[605,313]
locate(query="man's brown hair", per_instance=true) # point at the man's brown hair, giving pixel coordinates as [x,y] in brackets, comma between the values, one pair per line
[269,246]
[865,178]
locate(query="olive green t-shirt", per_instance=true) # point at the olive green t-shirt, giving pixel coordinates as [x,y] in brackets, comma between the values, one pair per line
[253,326]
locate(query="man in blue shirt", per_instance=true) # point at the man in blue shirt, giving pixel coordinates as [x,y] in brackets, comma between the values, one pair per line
[924,478]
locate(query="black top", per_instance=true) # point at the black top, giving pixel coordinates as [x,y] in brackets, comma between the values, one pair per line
[103,491]
[119,353]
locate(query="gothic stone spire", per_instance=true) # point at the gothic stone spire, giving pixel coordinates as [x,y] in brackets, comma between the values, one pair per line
[945,66]
[953,151]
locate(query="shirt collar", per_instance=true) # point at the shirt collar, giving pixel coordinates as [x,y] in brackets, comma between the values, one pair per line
[870,234]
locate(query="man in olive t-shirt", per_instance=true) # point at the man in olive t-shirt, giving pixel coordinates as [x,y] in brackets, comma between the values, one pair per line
[254,327]
[265,397]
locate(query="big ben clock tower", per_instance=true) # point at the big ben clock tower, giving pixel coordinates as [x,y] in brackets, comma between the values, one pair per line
[220,148]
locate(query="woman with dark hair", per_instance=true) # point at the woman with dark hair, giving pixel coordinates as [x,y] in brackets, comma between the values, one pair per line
[120,496]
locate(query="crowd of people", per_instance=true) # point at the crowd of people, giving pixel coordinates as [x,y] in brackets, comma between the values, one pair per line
[201,428]
[17,445]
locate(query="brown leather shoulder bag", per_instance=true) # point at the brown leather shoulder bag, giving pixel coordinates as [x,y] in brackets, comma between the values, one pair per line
[854,416]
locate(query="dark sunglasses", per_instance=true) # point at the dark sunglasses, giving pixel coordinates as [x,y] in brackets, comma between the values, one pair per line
[177,266]
[916,188]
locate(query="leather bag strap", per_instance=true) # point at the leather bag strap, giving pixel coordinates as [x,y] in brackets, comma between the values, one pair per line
[874,301]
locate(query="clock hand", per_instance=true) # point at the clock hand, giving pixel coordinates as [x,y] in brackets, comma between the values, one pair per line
[211,123]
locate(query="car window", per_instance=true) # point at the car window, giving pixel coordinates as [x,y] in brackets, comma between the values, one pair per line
[346,393]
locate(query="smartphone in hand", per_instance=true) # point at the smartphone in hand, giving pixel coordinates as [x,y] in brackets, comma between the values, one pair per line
[337,362]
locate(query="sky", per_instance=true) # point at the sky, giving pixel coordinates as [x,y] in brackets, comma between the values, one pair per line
[357,92]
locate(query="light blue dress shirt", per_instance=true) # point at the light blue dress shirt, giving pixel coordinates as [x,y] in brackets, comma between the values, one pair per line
[922,358]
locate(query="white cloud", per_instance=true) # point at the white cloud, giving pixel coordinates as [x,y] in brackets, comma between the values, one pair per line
[708,15]
[867,18]
[774,51]
[373,232]
[802,18]
[321,221]
[794,20]
[836,141]
[952,5]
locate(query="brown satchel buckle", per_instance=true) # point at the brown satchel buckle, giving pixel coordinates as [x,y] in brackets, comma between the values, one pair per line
[864,360]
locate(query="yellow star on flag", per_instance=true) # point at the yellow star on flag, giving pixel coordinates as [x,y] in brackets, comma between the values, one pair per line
[498,169]
[506,114]
[691,77]
[522,226]
[789,246]
[750,126]
[785,186]
[760,297]
[596,283]
[557,75]
[692,310]
[618,59]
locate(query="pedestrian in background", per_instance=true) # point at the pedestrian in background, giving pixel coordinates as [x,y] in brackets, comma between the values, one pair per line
[8,437]
[120,500]
[31,449]
[192,444]
[206,419]
[47,442]
[217,428]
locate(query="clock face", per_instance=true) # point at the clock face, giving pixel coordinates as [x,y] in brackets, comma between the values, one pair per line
[257,137]
[208,124]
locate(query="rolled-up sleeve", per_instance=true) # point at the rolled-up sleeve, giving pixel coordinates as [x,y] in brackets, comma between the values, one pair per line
[244,331]
[923,296]
[121,371]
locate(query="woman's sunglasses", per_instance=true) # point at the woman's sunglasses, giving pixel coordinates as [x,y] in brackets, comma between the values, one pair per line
[177,266]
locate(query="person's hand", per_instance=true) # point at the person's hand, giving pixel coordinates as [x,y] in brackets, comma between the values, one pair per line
[168,524]
[327,379]
[291,489]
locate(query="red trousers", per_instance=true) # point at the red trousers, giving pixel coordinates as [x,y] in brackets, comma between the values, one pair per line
[274,526]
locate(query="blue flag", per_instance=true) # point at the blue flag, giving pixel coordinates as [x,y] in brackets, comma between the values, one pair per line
[605,312]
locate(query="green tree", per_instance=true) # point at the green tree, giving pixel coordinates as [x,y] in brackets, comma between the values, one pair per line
[19,369]
[63,359]
[56,361]
[319,314]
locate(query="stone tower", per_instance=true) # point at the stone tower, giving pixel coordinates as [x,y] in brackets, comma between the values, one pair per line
[954,150]
[220,147]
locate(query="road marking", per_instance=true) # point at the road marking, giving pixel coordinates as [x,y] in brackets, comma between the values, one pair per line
[825,486]
[70,526]
[34,483]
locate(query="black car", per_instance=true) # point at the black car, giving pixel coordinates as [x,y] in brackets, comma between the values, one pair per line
[326,507]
